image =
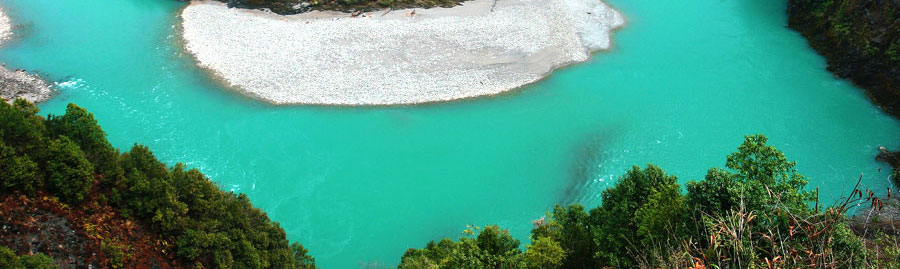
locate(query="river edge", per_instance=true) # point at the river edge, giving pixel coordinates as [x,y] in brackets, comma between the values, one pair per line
[217,75]
[870,69]
[15,84]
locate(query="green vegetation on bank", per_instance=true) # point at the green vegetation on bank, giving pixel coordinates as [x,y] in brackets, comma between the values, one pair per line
[754,213]
[285,7]
[859,38]
[861,41]
[69,158]
[9,260]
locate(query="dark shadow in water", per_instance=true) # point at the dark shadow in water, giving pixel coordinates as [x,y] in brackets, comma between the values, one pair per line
[587,155]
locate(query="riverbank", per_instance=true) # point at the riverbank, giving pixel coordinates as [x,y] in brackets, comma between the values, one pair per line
[860,40]
[19,83]
[411,56]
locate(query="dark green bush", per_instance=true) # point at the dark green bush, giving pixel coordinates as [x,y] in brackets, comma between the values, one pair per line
[69,157]
[69,175]
[756,213]
[9,260]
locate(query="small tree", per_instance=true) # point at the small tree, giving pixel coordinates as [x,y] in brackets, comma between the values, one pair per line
[69,174]
[642,208]
[544,253]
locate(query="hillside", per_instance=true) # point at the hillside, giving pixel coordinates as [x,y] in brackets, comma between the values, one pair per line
[756,212]
[67,193]
[859,38]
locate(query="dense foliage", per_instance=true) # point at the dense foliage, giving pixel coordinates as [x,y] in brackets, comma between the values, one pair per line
[297,6]
[753,213]
[68,157]
[9,260]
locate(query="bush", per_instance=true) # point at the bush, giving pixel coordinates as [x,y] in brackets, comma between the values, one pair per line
[37,261]
[69,157]
[544,253]
[492,248]
[754,214]
[69,175]
[630,222]
[9,260]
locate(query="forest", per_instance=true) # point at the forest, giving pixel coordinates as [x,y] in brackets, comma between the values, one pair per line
[754,213]
[65,185]
[66,192]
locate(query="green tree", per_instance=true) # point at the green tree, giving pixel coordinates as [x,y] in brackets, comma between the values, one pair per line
[718,192]
[37,261]
[492,248]
[69,174]
[495,241]
[20,173]
[626,209]
[69,157]
[8,258]
[81,127]
[660,219]
[432,256]
[572,228]
[761,169]
[22,129]
[302,259]
[544,253]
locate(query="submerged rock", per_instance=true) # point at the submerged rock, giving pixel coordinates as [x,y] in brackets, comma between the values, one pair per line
[889,157]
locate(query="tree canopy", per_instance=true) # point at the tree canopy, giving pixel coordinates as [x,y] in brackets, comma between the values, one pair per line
[754,212]
[68,157]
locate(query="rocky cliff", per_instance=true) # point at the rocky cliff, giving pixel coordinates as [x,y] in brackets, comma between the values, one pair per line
[859,38]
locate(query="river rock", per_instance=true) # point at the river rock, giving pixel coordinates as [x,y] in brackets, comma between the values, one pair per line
[21,84]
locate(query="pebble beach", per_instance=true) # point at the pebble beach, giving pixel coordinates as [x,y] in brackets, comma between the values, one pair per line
[482,47]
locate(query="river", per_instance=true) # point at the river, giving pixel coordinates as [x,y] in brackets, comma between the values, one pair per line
[681,86]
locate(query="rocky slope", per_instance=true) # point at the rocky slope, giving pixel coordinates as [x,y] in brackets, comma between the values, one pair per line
[861,41]
[859,38]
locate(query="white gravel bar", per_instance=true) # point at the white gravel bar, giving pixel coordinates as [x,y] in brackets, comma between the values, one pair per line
[482,47]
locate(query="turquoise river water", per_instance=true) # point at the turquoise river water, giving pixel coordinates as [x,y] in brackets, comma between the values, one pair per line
[682,85]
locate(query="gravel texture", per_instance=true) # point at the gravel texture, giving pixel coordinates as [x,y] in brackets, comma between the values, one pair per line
[482,47]
[21,84]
